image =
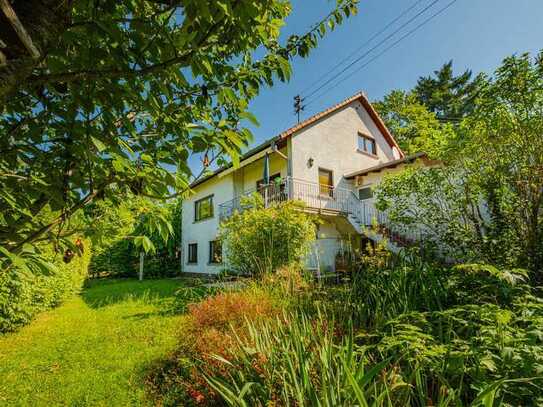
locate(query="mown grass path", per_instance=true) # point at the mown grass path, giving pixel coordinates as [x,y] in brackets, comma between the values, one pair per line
[93,350]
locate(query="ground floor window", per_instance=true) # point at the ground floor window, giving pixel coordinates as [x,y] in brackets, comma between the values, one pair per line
[193,253]
[365,193]
[215,252]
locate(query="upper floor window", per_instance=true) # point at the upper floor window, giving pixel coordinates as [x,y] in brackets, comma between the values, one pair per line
[203,208]
[326,182]
[215,251]
[193,253]
[366,144]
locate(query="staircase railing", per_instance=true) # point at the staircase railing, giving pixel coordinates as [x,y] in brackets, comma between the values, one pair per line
[325,198]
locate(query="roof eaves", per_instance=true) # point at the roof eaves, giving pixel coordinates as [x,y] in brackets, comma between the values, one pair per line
[390,164]
[245,156]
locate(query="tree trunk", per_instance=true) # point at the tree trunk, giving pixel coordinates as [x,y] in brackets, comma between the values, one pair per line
[140,275]
[44,21]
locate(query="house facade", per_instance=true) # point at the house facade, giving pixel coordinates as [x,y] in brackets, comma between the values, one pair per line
[330,161]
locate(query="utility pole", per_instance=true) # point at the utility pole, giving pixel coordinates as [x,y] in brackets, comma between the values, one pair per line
[298,107]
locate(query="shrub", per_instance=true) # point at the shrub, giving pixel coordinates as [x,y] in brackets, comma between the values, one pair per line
[450,332]
[466,349]
[25,293]
[121,259]
[448,336]
[113,259]
[206,335]
[261,240]
[403,332]
[229,309]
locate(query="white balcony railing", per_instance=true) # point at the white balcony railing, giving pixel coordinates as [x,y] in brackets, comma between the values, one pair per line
[315,196]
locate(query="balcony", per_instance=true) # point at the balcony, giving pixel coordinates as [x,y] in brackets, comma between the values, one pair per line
[316,197]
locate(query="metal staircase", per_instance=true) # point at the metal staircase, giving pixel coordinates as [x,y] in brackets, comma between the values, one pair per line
[363,216]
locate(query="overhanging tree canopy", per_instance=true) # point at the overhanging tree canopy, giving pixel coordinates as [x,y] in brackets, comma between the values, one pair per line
[124,91]
[486,202]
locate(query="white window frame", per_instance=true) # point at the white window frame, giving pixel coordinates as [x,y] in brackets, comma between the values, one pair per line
[370,186]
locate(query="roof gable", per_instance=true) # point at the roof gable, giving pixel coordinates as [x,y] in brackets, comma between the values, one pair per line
[360,96]
[325,113]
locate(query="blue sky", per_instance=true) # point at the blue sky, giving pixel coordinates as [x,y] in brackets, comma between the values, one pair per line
[475,34]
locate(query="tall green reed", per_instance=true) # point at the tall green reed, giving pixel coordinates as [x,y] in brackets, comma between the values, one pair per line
[298,360]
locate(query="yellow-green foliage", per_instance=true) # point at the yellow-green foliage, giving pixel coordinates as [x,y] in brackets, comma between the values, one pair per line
[261,240]
[23,294]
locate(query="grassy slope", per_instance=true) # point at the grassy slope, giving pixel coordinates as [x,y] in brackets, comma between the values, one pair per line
[93,350]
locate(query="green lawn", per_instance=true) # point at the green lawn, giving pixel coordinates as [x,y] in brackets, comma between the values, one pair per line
[92,350]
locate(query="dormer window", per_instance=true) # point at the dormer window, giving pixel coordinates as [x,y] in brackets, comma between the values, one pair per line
[366,144]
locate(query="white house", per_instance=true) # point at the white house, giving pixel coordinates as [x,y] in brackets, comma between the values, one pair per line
[330,161]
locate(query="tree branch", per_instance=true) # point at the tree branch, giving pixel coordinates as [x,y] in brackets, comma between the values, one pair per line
[118,73]
[46,228]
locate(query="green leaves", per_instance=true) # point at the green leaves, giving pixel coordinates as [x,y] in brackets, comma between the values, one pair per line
[359,384]
[100,146]
[126,93]
[450,97]
[251,117]
[143,242]
[512,277]
[489,395]
[38,280]
[264,239]
[415,128]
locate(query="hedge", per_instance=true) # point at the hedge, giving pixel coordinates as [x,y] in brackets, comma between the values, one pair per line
[116,255]
[112,260]
[23,294]
[121,259]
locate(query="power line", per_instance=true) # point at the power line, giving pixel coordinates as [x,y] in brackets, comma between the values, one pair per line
[409,33]
[374,36]
[374,47]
